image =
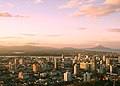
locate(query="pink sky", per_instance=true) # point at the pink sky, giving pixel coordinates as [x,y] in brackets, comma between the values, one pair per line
[63,23]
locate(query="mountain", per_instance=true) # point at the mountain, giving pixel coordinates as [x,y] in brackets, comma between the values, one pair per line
[68,48]
[38,50]
[100,48]
[103,49]
[25,48]
[35,50]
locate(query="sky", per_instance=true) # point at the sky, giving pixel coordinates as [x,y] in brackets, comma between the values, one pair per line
[60,23]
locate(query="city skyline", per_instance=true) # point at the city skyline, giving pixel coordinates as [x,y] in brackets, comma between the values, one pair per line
[62,23]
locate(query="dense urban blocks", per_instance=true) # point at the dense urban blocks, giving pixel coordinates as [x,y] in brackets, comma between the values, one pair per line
[82,69]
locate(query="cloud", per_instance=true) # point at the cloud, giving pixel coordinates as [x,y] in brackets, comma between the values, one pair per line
[26,34]
[38,1]
[11,37]
[112,2]
[53,35]
[114,30]
[75,3]
[81,28]
[90,8]
[32,43]
[6,14]
[70,4]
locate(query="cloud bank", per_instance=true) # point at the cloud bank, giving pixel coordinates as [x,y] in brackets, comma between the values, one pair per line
[6,14]
[114,30]
[92,7]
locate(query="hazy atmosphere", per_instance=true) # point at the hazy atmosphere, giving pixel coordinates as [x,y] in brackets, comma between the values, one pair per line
[60,23]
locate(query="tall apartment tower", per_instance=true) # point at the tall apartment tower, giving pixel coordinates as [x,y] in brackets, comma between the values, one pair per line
[20,61]
[104,59]
[94,64]
[34,68]
[87,76]
[16,61]
[111,69]
[55,63]
[107,61]
[12,66]
[67,76]
[63,59]
[79,56]
[20,75]
[76,69]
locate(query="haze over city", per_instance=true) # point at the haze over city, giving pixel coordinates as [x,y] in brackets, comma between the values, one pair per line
[60,23]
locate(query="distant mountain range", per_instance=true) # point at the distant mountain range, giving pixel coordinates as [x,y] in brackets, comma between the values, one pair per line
[51,50]
[36,50]
[33,48]
[104,49]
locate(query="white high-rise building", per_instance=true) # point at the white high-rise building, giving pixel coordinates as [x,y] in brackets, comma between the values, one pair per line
[111,69]
[63,58]
[104,58]
[107,61]
[87,76]
[67,76]
[16,61]
[101,62]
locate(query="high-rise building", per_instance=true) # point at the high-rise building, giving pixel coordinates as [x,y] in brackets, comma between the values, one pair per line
[12,66]
[101,62]
[87,66]
[20,75]
[67,76]
[76,69]
[55,63]
[48,59]
[34,67]
[104,59]
[107,61]
[118,59]
[111,69]
[93,64]
[79,56]
[74,61]
[16,61]
[103,69]
[63,59]
[20,61]
[87,76]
